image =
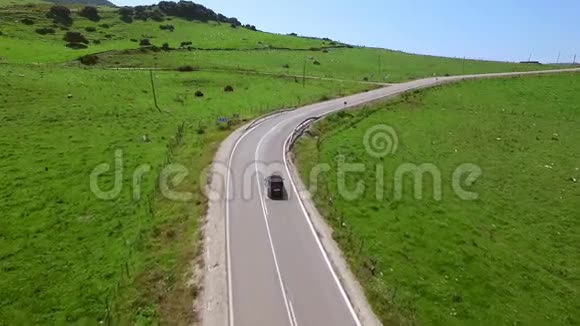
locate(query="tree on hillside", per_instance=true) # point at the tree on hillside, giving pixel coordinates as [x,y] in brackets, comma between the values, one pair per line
[157,16]
[126,14]
[193,11]
[90,13]
[60,15]
[75,37]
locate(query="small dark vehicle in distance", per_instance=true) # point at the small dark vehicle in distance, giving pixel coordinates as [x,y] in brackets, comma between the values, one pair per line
[275,187]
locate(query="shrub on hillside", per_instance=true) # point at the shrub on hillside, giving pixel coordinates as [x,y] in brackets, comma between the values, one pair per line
[127,19]
[165,47]
[198,94]
[104,26]
[233,25]
[109,36]
[134,40]
[170,28]
[1,33]
[90,13]
[193,11]
[28,21]
[316,62]
[126,14]
[286,66]
[145,42]
[184,44]
[97,41]
[75,37]
[157,16]
[250,27]
[186,68]
[60,15]
[228,89]
[45,30]
[76,46]
[91,29]
[89,60]
[126,11]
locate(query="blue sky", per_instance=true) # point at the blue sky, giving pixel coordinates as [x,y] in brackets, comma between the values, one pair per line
[484,29]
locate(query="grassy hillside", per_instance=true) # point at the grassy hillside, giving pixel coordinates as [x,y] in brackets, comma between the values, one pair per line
[21,44]
[218,45]
[70,2]
[9,3]
[345,63]
[489,261]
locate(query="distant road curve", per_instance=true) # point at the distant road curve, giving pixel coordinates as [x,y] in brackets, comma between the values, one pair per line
[272,262]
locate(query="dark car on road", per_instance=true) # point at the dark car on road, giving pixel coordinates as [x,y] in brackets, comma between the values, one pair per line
[275,187]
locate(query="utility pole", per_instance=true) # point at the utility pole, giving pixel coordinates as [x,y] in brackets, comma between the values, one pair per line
[574,61]
[379,66]
[304,75]
[558,60]
[530,58]
[463,66]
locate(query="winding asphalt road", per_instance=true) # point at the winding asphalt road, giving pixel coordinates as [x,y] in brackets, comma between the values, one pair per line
[278,272]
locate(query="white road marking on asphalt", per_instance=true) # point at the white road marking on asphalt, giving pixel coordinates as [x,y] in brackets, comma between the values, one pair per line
[228,251]
[264,210]
[326,259]
[293,314]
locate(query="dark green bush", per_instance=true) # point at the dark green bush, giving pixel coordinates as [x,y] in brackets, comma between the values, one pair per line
[75,37]
[145,42]
[89,60]
[90,13]
[28,21]
[60,15]
[45,30]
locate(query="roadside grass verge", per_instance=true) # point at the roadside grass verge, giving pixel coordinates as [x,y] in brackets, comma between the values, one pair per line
[510,257]
[67,256]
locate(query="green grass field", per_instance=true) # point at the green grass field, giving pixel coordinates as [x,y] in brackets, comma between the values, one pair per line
[512,256]
[67,256]
[10,3]
[344,63]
